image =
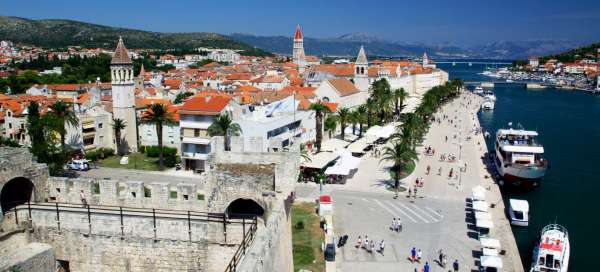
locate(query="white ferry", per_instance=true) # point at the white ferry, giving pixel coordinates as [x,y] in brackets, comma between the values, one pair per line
[489,100]
[552,252]
[478,90]
[519,158]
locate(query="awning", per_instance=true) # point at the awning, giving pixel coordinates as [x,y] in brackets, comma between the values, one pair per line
[333,144]
[481,206]
[344,164]
[491,261]
[358,146]
[483,216]
[484,223]
[490,243]
[489,252]
[387,131]
[320,160]
[478,195]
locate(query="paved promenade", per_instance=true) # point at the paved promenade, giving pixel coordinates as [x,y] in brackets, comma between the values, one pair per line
[438,218]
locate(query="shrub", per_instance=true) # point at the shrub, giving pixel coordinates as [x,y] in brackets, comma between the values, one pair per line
[147,192]
[200,196]
[92,155]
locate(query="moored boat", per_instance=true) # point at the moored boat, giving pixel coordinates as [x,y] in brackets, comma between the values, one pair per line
[519,158]
[553,250]
[518,210]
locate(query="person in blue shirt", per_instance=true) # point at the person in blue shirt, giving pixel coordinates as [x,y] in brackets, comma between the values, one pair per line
[426,267]
[455,265]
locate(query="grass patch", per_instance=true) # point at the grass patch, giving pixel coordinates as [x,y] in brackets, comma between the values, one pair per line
[136,161]
[307,237]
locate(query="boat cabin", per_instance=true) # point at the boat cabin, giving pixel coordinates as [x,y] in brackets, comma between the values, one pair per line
[519,147]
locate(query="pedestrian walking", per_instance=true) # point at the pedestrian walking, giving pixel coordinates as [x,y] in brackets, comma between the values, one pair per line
[393,224]
[426,267]
[419,255]
[455,265]
[440,171]
[415,194]
[398,225]
[359,242]
[413,255]
[444,261]
[440,257]
[381,247]
[372,246]
[366,246]
[83,200]
[409,192]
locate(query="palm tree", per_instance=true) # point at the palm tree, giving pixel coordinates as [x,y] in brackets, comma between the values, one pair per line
[399,96]
[320,109]
[62,115]
[371,106]
[343,116]
[331,124]
[224,126]
[361,115]
[400,153]
[118,125]
[158,114]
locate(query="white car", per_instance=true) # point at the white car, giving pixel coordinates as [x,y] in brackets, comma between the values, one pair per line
[79,165]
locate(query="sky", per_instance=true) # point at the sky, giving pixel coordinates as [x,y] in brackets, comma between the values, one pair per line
[458,22]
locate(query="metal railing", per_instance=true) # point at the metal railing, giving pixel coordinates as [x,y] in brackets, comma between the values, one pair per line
[241,251]
[189,216]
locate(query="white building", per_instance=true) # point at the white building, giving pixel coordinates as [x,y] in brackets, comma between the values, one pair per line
[196,115]
[224,55]
[171,135]
[342,92]
[279,123]
[93,131]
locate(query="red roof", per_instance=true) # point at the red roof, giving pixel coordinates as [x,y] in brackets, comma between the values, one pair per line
[298,34]
[325,199]
[210,104]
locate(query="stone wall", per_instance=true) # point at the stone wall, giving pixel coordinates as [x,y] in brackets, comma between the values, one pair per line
[272,247]
[111,253]
[134,194]
[36,257]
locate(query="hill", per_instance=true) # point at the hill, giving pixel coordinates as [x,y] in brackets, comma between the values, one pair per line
[55,33]
[589,51]
[348,45]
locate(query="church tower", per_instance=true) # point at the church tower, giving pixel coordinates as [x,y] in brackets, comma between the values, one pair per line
[123,95]
[361,71]
[298,50]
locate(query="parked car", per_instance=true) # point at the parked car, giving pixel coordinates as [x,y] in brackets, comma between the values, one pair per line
[78,165]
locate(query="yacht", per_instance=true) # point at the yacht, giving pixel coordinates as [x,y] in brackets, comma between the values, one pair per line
[519,212]
[552,252]
[518,159]
[488,104]
[478,90]
[490,95]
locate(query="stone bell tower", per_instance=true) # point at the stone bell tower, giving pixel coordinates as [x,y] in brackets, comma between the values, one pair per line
[123,95]
[361,71]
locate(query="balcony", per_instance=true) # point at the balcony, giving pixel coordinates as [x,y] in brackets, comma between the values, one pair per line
[194,124]
[195,140]
[196,156]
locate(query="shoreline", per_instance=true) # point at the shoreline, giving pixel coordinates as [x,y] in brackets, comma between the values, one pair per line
[502,225]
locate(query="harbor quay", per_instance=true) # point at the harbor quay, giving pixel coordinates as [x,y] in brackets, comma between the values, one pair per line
[440,217]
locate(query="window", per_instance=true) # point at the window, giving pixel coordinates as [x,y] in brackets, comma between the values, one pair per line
[196,133]
[99,125]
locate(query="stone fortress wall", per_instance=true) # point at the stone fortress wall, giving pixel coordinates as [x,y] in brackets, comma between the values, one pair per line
[101,243]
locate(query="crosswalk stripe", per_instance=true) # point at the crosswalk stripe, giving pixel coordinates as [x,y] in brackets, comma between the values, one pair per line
[385,208]
[424,213]
[435,212]
[413,212]
[403,212]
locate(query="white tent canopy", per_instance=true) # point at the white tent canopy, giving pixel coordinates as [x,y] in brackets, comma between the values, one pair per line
[478,195]
[334,144]
[481,206]
[358,146]
[489,251]
[484,223]
[490,243]
[344,164]
[387,131]
[483,216]
[320,160]
[491,261]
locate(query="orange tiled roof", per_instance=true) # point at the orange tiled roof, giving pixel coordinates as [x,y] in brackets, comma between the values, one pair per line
[340,70]
[63,87]
[343,86]
[205,104]
[332,106]
[173,83]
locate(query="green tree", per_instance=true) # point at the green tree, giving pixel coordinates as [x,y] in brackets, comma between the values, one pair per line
[343,116]
[182,96]
[400,153]
[224,126]
[320,110]
[399,96]
[118,125]
[361,115]
[159,115]
[62,115]
[331,124]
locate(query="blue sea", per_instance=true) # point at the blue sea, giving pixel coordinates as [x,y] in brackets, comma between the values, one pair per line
[569,127]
